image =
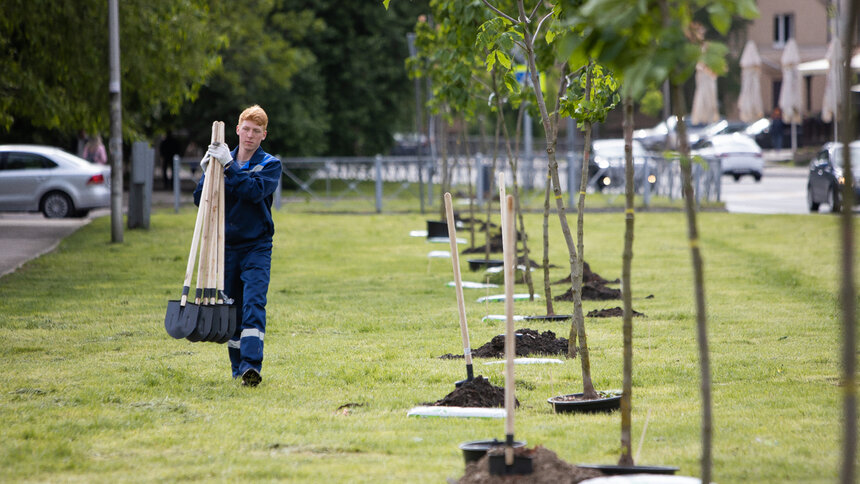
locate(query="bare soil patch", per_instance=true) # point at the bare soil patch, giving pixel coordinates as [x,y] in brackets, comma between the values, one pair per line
[477,393]
[529,342]
[547,467]
[611,313]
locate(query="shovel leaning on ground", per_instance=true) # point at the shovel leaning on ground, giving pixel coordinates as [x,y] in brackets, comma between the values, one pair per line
[508,463]
[211,316]
[458,284]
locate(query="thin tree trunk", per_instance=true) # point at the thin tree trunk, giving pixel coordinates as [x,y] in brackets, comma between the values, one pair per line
[626,294]
[492,176]
[446,181]
[468,162]
[550,311]
[547,290]
[512,162]
[577,270]
[848,470]
[588,386]
[698,280]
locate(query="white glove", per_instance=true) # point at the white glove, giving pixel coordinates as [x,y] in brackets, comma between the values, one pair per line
[220,152]
[204,163]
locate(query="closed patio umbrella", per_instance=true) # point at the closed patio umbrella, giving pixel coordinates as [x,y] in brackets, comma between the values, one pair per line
[790,95]
[750,103]
[705,108]
[832,86]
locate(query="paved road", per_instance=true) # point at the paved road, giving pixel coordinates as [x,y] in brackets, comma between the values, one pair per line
[781,190]
[26,236]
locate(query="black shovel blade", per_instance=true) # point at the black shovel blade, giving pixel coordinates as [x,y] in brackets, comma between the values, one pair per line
[231,323]
[215,329]
[522,465]
[180,321]
[204,324]
[222,335]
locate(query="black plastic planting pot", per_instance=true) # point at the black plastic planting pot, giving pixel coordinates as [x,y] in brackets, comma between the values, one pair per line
[437,228]
[475,264]
[614,470]
[475,449]
[605,404]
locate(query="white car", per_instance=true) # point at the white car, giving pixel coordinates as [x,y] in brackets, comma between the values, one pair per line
[35,178]
[737,153]
[608,155]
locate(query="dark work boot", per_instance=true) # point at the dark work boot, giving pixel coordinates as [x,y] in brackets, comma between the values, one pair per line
[251,378]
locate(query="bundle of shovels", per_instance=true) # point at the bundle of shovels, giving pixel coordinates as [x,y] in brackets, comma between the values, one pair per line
[211,315]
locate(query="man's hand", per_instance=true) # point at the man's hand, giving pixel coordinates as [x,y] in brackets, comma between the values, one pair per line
[204,163]
[220,152]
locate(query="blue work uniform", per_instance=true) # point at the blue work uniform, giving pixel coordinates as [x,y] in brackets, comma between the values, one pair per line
[248,191]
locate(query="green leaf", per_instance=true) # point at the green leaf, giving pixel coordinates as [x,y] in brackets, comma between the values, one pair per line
[720,17]
[504,59]
[385,3]
[491,61]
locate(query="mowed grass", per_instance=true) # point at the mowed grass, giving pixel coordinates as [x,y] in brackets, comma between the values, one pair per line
[94,390]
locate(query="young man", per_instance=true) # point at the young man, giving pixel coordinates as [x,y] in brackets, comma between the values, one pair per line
[250,179]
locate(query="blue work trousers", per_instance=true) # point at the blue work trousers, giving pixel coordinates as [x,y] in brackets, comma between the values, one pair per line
[246,281]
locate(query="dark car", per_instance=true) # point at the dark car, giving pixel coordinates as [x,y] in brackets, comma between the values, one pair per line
[826,177]
[44,179]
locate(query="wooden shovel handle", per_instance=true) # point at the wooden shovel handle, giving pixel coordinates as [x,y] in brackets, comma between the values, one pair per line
[458,283]
[206,204]
[192,257]
[509,248]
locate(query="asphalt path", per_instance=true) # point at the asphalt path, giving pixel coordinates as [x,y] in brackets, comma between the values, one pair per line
[26,236]
[781,190]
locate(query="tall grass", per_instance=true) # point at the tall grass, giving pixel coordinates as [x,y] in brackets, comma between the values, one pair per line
[94,390]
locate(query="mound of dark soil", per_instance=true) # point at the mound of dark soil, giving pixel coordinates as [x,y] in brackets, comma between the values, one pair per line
[495,246]
[592,292]
[477,393]
[528,342]
[589,276]
[547,467]
[610,313]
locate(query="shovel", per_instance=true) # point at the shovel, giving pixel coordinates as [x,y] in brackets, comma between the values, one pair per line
[508,463]
[181,317]
[204,268]
[455,260]
[212,274]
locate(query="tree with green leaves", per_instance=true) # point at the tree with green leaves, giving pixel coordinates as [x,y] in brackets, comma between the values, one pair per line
[524,29]
[55,63]
[273,70]
[650,42]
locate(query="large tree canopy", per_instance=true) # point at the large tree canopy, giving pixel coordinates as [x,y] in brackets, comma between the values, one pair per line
[360,57]
[55,62]
[330,74]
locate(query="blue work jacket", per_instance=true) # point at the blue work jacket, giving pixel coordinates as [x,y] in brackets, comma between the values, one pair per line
[248,191]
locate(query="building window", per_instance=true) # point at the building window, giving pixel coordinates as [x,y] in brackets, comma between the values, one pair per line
[783,28]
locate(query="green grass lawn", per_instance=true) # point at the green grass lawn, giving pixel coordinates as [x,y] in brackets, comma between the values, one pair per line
[94,390]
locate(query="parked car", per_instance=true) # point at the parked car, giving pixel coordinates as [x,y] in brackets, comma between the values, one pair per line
[410,144]
[737,153]
[45,179]
[608,155]
[663,136]
[826,178]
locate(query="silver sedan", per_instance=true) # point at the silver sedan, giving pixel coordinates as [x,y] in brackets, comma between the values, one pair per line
[35,178]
